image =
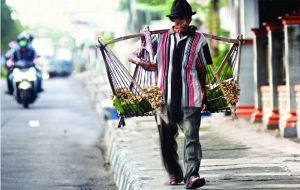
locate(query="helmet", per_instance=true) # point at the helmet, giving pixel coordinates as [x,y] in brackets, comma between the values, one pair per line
[27,35]
[24,34]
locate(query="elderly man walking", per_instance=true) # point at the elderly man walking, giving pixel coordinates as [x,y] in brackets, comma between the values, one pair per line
[181,55]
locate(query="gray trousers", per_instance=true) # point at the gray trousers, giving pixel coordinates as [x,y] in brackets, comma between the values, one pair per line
[188,120]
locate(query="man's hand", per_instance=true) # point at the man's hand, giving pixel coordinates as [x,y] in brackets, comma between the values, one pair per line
[147,65]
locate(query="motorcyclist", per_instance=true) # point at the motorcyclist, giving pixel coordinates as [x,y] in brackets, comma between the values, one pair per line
[24,51]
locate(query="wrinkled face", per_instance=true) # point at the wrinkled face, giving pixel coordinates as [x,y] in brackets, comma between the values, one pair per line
[182,23]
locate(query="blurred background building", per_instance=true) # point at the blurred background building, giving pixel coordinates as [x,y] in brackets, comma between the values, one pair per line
[269,73]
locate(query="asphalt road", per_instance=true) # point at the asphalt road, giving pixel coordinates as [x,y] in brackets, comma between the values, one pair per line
[55,144]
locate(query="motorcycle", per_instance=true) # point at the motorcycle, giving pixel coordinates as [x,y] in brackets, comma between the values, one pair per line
[24,79]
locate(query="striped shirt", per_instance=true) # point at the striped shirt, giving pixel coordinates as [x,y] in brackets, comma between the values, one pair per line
[179,61]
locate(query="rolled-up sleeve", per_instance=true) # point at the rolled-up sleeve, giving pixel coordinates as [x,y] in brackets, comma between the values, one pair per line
[204,55]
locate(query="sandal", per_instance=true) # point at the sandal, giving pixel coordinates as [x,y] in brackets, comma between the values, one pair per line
[195,182]
[172,181]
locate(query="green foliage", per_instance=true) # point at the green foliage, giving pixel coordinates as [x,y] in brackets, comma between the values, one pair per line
[226,72]
[132,108]
[9,28]
[223,3]
[3,72]
[152,2]
[215,96]
[222,50]
[216,100]
[108,36]
[168,6]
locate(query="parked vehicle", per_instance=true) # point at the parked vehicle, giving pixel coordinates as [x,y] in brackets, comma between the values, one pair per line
[60,67]
[24,78]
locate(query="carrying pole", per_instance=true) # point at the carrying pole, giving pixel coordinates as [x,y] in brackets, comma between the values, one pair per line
[229,40]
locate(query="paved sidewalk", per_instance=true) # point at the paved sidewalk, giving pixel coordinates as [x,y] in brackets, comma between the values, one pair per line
[236,155]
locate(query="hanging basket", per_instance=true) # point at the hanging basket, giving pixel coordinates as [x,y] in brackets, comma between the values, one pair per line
[137,95]
[222,83]
[134,95]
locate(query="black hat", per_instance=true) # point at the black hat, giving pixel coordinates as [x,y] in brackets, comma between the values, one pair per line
[181,8]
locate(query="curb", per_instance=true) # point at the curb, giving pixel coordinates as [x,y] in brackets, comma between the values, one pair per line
[127,169]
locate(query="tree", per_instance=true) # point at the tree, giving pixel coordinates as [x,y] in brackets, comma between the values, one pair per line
[9,28]
[142,12]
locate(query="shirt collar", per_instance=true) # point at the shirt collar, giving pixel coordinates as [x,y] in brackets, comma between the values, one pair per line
[191,29]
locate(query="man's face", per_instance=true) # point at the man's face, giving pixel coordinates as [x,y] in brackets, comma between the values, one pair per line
[182,23]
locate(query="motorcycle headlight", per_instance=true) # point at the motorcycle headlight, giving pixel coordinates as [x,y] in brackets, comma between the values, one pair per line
[18,75]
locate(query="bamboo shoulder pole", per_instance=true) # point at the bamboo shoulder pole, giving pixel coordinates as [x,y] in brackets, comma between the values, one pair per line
[229,40]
